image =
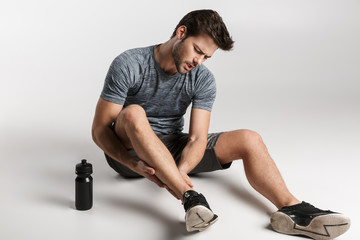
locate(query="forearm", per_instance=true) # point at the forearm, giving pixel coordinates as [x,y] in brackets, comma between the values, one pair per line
[192,154]
[107,140]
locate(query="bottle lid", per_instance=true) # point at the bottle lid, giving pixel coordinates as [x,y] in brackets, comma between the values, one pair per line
[83,167]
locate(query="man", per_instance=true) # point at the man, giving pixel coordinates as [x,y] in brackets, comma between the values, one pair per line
[139,121]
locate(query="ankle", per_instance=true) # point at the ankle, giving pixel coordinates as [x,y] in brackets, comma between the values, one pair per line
[187,189]
[287,203]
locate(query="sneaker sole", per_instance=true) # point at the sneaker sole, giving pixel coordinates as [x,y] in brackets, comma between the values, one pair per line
[320,228]
[199,218]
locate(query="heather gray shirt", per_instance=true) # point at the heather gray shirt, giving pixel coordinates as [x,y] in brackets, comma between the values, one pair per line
[135,77]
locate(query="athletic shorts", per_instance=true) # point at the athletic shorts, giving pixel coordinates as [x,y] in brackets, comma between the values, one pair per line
[176,143]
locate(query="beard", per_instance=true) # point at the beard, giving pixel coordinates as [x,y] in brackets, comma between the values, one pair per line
[177,56]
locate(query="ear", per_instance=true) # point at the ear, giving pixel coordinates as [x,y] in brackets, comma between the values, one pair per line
[181,32]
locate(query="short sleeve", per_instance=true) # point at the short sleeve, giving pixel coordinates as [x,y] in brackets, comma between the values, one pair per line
[118,81]
[205,91]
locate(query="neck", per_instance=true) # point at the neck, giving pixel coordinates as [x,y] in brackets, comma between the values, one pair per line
[163,55]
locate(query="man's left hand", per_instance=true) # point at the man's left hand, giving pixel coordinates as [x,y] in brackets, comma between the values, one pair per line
[186,178]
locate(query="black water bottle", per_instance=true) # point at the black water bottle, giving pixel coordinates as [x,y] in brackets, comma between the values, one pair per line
[83,186]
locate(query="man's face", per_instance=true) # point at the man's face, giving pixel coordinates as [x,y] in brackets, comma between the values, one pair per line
[192,52]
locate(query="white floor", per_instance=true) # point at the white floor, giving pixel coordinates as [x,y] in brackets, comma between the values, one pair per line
[318,159]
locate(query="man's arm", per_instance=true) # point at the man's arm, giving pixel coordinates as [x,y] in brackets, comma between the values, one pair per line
[102,134]
[195,148]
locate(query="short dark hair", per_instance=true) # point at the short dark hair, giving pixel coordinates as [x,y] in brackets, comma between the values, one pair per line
[209,22]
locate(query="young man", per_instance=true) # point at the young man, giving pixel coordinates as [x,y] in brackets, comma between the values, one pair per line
[139,121]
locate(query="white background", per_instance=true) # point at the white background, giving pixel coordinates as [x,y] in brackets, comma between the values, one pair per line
[293,77]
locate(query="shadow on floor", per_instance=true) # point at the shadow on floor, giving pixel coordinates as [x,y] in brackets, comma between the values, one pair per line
[238,190]
[175,228]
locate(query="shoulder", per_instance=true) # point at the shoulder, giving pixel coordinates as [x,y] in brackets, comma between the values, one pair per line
[201,75]
[135,56]
[134,61]
[202,72]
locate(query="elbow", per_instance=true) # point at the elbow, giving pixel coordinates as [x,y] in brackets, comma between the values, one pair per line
[197,139]
[94,133]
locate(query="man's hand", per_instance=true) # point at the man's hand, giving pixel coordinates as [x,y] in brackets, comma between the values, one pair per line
[145,170]
[186,178]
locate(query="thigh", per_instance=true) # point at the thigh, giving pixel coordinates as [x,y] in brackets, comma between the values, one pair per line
[177,142]
[210,161]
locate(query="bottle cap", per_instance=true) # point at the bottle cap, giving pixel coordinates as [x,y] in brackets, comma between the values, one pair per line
[83,167]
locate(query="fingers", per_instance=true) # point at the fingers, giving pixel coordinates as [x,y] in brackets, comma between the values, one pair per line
[172,192]
[187,179]
[150,170]
[146,168]
[149,173]
[157,181]
[154,179]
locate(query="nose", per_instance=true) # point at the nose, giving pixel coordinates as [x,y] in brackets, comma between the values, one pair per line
[199,60]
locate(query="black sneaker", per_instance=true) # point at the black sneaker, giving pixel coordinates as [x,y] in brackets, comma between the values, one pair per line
[198,213]
[305,219]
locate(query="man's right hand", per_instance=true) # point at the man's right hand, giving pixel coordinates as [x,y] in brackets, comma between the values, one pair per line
[145,170]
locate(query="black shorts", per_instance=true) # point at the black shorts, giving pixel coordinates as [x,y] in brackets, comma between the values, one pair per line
[176,143]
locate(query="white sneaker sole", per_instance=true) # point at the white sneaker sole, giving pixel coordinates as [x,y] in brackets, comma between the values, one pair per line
[323,227]
[199,218]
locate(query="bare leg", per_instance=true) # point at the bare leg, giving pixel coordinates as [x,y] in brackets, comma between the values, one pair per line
[260,169]
[134,130]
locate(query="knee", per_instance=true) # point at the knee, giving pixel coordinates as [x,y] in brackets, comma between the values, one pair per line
[132,116]
[250,140]
[252,136]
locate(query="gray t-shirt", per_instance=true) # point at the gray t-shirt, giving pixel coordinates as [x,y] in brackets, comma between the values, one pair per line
[135,77]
